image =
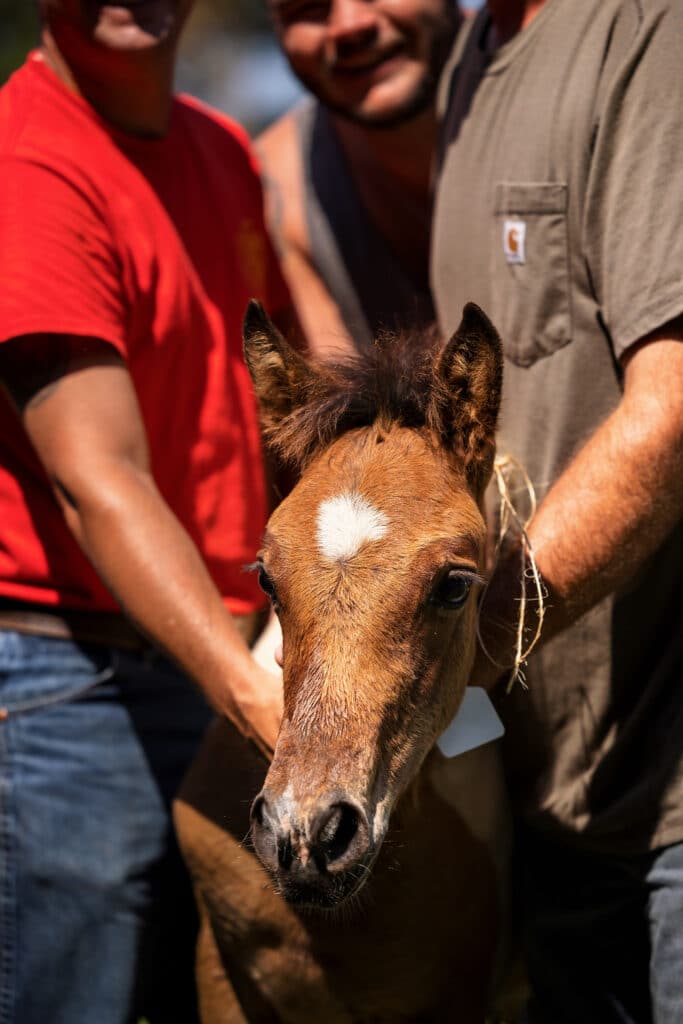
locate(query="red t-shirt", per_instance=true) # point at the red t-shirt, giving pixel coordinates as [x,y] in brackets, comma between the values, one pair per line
[154,246]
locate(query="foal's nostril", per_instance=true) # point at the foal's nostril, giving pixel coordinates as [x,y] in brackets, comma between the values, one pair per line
[285,854]
[257,810]
[334,831]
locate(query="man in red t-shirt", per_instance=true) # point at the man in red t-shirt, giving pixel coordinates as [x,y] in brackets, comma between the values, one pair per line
[131,238]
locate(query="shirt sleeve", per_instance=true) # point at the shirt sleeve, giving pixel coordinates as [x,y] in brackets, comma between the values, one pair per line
[632,229]
[59,269]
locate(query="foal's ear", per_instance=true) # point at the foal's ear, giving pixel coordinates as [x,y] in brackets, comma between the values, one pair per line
[282,378]
[466,392]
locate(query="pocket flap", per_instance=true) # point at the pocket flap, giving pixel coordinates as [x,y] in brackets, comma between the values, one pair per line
[530,197]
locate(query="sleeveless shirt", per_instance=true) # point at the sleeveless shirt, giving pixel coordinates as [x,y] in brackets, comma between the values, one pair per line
[364,277]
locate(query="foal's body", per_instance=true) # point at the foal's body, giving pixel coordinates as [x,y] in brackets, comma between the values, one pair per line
[418,946]
[369,562]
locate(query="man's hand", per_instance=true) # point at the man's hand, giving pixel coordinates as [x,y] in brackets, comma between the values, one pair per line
[261,710]
[266,714]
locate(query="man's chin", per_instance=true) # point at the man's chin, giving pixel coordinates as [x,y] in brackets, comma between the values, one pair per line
[385,115]
[140,26]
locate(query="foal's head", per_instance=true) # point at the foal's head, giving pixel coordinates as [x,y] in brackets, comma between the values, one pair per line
[371,564]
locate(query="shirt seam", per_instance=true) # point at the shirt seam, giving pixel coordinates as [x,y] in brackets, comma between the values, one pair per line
[655,315]
[22,328]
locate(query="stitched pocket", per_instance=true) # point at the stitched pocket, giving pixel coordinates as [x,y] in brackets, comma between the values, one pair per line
[36,671]
[530,269]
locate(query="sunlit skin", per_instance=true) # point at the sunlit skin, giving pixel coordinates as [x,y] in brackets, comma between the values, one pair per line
[375,62]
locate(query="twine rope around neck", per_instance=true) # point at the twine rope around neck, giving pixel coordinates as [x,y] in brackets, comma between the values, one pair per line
[505,469]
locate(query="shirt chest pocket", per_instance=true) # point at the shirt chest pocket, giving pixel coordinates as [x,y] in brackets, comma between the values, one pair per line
[530,269]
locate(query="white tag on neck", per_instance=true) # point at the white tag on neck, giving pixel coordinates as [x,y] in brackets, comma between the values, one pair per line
[475,724]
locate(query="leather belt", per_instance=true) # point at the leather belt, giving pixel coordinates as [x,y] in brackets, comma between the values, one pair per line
[110,629]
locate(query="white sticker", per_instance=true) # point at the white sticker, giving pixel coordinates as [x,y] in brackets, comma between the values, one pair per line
[475,724]
[514,237]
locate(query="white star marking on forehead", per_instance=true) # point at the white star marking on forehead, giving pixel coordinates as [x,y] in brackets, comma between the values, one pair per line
[347,522]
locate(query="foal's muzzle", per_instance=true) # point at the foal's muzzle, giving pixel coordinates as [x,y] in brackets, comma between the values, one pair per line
[319,858]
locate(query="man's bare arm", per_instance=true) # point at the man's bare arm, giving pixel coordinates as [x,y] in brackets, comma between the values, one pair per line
[282,176]
[85,424]
[611,508]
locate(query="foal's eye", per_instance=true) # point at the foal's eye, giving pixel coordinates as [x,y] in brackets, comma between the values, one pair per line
[451,591]
[266,584]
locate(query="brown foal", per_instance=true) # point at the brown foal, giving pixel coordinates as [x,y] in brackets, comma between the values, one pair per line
[373,895]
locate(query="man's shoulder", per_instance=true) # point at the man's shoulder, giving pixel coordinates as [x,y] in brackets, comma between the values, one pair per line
[51,138]
[658,8]
[282,162]
[300,147]
[35,111]
[200,113]
[206,121]
[604,31]
[280,145]
[641,17]
[281,155]
[13,101]
[623,22]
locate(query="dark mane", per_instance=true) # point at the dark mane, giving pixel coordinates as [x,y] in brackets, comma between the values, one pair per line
[390,383]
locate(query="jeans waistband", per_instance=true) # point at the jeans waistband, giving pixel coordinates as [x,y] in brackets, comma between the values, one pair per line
[112,629]
[109,628]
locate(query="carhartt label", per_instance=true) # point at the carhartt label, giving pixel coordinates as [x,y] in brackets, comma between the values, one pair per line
[475,724]
[514,237]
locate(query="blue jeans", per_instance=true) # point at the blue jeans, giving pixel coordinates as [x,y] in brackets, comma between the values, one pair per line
[605,935]
[97,924]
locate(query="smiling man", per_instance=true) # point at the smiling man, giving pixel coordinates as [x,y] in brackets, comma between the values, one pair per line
[348,173]
[131,239]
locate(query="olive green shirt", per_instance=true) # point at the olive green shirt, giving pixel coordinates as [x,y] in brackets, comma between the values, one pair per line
[559,210]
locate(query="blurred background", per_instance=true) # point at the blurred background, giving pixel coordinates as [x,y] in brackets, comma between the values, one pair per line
[228,57]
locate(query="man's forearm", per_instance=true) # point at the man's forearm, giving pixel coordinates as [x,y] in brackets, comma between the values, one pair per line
[151,565]
[608,512]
